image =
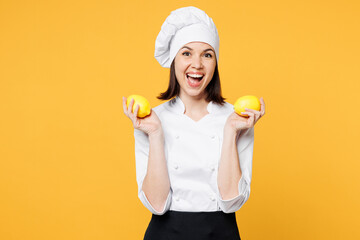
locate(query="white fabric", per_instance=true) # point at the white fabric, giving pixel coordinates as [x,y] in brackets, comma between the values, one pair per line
[184,25]
[193,151]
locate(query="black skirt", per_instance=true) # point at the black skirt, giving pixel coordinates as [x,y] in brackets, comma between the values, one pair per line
[174,225]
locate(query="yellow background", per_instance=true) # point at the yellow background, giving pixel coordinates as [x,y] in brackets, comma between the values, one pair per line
[67,165]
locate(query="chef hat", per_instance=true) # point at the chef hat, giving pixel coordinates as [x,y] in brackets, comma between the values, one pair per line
[184,25]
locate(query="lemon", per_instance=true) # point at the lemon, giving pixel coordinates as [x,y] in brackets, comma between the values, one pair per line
[144,105]
[248,101]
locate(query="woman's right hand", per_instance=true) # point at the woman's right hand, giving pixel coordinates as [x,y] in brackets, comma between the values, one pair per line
[150,124]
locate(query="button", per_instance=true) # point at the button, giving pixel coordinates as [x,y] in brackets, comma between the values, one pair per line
[177,199]
[212,136]
[176,166]
[213,198]
[177,136]
[213,169]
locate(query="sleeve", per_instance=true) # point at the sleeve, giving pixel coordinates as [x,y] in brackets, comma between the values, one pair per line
[245,146]
[141,158]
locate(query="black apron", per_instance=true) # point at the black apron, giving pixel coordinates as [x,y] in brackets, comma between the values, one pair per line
[175,225]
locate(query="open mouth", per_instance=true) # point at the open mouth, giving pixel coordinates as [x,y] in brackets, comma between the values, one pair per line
[194,77]
[194,80]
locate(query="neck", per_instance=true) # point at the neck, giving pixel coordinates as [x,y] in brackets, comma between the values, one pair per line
[194,104]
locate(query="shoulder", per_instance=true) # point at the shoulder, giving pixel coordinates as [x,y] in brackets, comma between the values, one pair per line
[160,108]
[228,106]
[225,109]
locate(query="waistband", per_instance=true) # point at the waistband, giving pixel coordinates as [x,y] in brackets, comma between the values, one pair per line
[172,212]
[179,225]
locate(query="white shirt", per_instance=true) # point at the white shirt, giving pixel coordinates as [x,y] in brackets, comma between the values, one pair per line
[192,152]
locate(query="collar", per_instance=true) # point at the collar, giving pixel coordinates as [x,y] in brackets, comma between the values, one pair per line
[177,105]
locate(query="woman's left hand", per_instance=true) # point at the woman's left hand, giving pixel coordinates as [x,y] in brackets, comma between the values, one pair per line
[237,122]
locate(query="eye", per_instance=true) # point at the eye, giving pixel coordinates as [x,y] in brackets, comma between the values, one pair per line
[208,54]
[184,53]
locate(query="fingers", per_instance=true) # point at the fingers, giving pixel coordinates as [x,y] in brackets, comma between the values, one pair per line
[251,120]
[130,114]
[130,107]
[262,104]
[128,110]
[136,110]
[256,113]
[135,118]
[252,110]
[124,106]
[254,116]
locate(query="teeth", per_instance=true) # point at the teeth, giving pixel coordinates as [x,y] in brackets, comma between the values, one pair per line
[195,75]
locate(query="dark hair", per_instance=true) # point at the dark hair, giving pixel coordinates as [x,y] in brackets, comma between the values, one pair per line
[213,89]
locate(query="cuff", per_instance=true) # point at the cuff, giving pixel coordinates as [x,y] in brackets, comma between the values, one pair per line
[147,204]
[234,204]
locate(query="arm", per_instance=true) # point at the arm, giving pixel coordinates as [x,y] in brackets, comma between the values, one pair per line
[152,174]
[235,169]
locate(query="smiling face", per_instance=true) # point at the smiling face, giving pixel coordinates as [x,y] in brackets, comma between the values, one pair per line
[194,68]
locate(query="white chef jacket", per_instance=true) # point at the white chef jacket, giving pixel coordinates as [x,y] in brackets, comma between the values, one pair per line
[192,152]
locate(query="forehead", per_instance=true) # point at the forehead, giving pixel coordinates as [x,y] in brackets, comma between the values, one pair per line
[198,45]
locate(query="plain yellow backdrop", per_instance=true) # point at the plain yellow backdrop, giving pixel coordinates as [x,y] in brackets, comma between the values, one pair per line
[67,164]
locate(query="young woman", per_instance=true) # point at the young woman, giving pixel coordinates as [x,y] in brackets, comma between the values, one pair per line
[193,153]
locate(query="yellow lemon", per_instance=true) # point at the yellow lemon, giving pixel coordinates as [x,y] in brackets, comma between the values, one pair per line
[144,105]
[248,101]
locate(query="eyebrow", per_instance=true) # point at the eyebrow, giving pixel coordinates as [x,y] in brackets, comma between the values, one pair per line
[209,49]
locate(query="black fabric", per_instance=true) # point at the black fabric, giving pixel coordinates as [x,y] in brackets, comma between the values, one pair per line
[175,225]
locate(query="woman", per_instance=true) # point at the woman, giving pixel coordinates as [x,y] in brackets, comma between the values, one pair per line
[193,153]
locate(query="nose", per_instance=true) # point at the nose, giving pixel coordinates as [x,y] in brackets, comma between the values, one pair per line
[197,62]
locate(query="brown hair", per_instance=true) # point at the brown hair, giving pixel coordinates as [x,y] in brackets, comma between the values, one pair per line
[213,89]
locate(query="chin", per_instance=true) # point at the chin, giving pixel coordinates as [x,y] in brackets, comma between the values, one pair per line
[194,93]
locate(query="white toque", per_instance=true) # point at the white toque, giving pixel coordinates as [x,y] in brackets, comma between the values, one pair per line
[184,25]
